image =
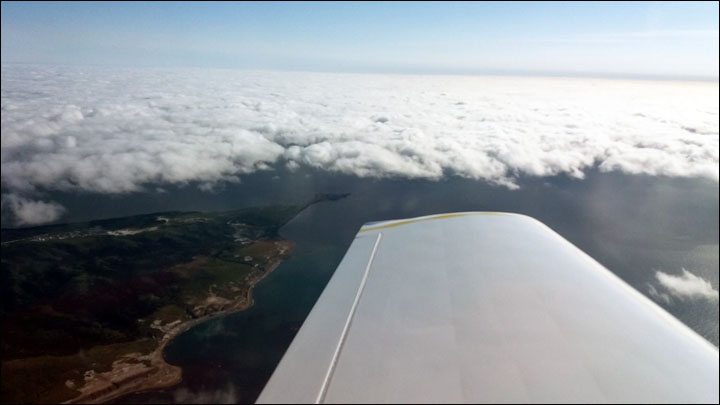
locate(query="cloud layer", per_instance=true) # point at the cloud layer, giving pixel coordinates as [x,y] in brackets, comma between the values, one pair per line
[117,130]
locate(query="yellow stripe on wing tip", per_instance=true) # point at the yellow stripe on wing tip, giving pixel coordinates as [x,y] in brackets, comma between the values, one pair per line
[440,216]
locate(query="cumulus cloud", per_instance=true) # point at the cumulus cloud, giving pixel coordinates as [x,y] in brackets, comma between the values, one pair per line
[29,212]
[683,286]
[117,130]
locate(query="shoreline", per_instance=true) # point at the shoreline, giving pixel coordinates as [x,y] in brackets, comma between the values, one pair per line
[131,374]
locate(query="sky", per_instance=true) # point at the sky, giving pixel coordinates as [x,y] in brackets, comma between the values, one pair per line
[629,39]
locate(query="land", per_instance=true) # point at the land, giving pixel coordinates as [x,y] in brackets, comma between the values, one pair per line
[89,307]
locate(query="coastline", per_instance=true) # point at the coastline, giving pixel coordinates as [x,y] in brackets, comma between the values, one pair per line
[132,373]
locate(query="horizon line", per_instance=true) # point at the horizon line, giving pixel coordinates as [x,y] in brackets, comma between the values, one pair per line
[410,72]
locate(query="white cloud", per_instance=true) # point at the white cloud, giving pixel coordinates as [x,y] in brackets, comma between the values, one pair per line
[659,296]
[116,130]
[29,212]
[686,285]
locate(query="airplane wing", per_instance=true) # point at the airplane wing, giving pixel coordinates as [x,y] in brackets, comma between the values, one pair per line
[486,307]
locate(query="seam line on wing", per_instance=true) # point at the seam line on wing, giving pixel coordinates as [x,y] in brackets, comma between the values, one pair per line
[348,322]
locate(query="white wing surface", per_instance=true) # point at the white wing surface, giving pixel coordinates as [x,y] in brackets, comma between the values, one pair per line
[486,307]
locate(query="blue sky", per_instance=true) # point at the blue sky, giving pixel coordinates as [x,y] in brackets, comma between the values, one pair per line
[674,40]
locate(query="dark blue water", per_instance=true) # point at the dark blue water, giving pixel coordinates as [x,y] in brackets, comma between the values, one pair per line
[634,225]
